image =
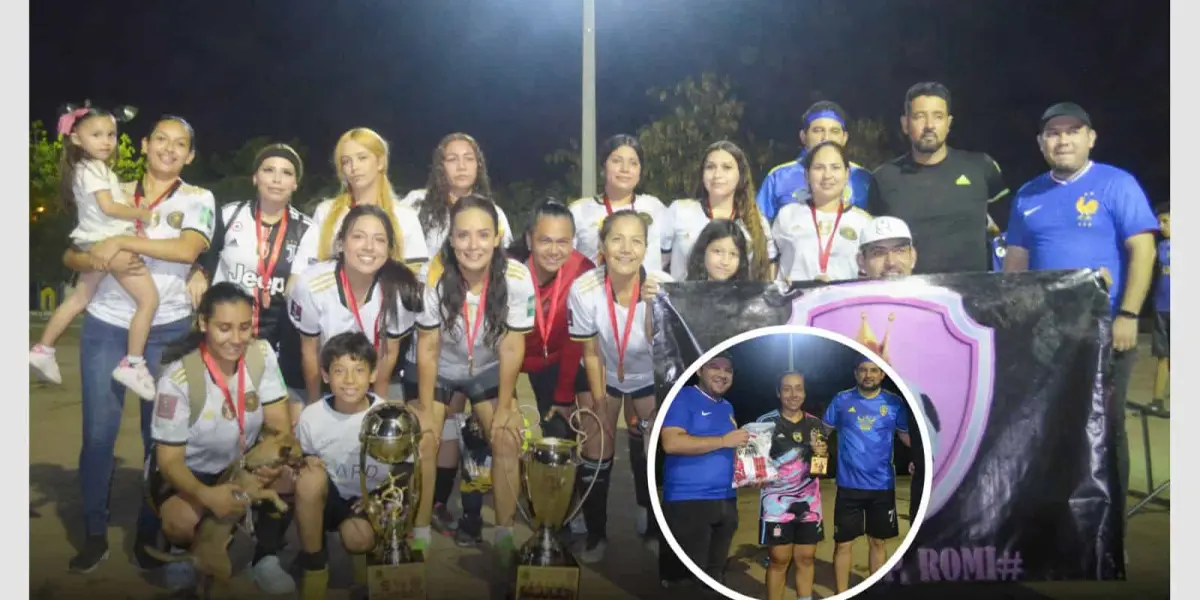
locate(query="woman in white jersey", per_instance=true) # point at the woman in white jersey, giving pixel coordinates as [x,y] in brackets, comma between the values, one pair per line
[328,490]
[458,168]
[818,239]
[168,250]
[621,161]
[362,289]
[361,159]
[607,314]
[196,439]
[471,341]
[725,192]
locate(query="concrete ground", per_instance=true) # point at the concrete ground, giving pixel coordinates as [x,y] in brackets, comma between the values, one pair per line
[628,571]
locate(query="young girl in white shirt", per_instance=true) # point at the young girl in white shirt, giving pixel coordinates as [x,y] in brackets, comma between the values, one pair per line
[89,186]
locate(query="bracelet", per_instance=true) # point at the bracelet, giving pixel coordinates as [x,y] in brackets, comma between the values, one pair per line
[1127,314]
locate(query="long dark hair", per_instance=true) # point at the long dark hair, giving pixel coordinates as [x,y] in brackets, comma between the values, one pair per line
[397,282]
[225,292]
[614,143]
[435,210]
[714,231]
[520,250]
[71,156]
[453,288]
[745,207]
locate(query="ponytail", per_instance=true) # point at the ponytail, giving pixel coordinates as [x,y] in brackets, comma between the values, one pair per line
[222,293]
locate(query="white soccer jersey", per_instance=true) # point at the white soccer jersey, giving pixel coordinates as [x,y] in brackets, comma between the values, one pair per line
[189,208]
[239,258]
[687,219]
[92,176]
[212,443]
[589,214]
[332,436]
[453,360]
[799,253]
[436,236]
[588,318]
[413,238]
[319,308]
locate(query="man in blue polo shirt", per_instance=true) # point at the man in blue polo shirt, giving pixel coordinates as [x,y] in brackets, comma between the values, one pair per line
[785,184]
[867,419]
[1160,344]
[699,434]
[1084,214]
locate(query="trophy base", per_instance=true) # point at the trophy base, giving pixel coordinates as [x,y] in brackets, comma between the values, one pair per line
[819,465]
[547,583]
[404,581]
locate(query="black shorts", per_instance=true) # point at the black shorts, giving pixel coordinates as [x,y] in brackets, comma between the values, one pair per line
[1160,341]
[483,386]
[856,512]
[787,534]
[158,490]
[638,393]
[544,383]
[339,509]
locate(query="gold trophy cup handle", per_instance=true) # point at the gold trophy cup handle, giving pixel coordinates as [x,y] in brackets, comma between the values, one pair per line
[575,423]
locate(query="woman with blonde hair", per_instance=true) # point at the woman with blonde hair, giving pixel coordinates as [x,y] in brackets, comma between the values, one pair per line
[361,160]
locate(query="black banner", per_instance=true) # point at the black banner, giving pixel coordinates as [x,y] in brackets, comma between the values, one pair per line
[1015,368]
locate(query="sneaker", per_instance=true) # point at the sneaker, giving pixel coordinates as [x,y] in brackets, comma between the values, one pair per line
[466,539]
[593,552]
[44,365]
[136,378]
[270,576]
[578,525]
[419,545]
[506,551]
[1158,404]
[95,550]
[443,519]
[142,560]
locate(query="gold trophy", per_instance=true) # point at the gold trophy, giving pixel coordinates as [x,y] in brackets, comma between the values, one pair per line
[820,462]
[390,434]
[545,569]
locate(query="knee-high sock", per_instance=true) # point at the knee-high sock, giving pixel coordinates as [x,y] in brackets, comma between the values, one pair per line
[595,506]
[444,485]
[637,463]
[269,528]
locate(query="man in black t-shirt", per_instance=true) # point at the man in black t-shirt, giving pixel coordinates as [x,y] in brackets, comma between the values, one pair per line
[942,193]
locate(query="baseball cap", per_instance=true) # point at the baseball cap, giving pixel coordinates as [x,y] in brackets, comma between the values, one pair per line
[1066,109]
[884,228]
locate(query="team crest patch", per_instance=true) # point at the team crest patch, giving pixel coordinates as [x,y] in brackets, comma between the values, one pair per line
[295,310]
[175,220]
[883,410]
[778,531]
[797,437]
[206,217]
[165,405]
[251,401]
[849,233]
[530,307]
[290,250]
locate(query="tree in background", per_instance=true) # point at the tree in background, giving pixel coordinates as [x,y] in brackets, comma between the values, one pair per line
[49,225]
[868,145]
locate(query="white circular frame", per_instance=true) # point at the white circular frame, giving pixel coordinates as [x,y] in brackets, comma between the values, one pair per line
[914,405]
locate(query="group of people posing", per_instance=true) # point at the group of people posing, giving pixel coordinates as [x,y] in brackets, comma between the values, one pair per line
[336,295]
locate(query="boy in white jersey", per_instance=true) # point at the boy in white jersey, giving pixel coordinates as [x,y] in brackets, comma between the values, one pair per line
[328,488]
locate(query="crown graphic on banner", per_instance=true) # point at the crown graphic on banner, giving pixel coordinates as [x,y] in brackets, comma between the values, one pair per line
[867,337]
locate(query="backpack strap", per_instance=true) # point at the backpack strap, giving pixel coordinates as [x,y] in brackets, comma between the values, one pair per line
[196,375]
[256,361]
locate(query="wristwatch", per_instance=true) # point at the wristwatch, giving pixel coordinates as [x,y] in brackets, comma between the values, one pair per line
[1127,314]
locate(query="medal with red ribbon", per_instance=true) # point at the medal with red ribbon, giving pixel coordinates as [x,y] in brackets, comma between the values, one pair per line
[268,257]
[353,302]
[544,322]
[825,249]
[139,194]
[708,211]
[472,329]
[231,410]
[621,339]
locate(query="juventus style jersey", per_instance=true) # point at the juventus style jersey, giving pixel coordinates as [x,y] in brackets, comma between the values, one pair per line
[455,359]
[589,318]
[801,244]
[436,236]
[590,213]
[687,218]
[319,308]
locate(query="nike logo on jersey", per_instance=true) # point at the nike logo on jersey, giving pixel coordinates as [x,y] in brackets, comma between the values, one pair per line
[705,414]
[1032,210]
[249,279]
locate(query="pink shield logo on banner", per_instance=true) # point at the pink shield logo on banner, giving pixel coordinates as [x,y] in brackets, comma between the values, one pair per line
[925,334]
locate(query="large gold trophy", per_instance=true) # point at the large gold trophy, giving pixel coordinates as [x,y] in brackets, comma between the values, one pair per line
[391,435]
[545,569]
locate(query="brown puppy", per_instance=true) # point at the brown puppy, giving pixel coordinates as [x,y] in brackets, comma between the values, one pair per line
[209,551]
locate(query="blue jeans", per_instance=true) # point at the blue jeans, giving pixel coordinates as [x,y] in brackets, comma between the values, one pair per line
[101,348]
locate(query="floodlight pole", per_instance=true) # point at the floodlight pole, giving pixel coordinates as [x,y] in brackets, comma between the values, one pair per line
[588,137]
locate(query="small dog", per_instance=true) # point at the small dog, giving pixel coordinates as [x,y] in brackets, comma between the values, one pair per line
[210,547]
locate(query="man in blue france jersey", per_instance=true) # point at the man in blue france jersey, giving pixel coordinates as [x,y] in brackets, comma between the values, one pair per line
[867,419]
[1161,342]
[698,435]
[791,521]
[1085,214]
[785,184]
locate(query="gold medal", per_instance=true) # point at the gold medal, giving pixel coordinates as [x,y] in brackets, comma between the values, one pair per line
[620,372]
[251,401]
[227,412]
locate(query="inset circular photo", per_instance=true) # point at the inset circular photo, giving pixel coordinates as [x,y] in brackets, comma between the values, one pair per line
[792,466]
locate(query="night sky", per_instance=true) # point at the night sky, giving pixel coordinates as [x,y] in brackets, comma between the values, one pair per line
[507,71]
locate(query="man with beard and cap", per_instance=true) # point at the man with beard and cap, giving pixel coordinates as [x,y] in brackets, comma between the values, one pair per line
[867,419]
[699,434]
[941,192]
[791,522]
[824,121]
[1084,214]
